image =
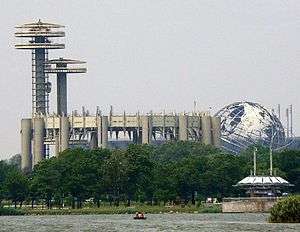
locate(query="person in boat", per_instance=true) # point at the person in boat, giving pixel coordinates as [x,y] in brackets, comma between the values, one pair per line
[139,215]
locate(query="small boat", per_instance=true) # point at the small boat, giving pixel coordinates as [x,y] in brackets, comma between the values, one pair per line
[139,216]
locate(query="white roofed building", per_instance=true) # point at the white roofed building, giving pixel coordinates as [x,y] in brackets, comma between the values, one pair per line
[263,186]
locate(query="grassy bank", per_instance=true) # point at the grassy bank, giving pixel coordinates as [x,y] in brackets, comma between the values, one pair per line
[124,210]
[11,212]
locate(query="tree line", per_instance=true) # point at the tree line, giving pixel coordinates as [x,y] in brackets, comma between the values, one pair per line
[177,172]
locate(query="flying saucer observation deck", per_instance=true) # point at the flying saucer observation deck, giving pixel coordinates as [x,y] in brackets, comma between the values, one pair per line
[61,67]
[39,37]
[39,34]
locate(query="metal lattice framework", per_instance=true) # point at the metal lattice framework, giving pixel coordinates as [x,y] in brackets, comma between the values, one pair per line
[246,123]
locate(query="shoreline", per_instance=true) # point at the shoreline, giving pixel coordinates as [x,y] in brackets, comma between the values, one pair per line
[113,210]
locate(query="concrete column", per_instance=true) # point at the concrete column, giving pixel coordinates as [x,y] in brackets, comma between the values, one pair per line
[135,136]
[216,131]
[62,94]
[26,133]
[94,141]
[38,140]
[64,133]
[206,130]
[104,132]
[99,130]
[56,145]
[146,130]
[183,127]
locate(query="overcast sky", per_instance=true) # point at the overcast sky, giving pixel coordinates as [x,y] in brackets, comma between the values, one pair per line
[155,55]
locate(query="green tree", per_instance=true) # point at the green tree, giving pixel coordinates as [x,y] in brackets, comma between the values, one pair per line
[223,171]
[164,183]
[139,173]
[115,175]
[262,160]
[15,161]
[98,157]
[175,151]
[5,169]
[79,174]
[288,162]
[164,173]
[189,176]
[47,180]
[16,186]
[33,193]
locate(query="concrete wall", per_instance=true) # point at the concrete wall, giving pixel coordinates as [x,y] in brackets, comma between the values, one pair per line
[248,205]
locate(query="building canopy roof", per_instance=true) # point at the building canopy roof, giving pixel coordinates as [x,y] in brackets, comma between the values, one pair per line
[252,181]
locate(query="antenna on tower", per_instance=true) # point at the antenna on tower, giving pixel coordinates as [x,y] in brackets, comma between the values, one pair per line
[291,120]
[110,110]
[195,106]
[278,112]
[287,123]
[254,161]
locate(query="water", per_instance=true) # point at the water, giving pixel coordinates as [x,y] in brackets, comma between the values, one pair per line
[154,222]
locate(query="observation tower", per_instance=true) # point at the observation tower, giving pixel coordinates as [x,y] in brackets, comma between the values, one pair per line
[61,67]
[39,40]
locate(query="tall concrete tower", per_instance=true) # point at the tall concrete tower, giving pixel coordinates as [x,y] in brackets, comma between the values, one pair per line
[61,67]
[38,38]
[39,35]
